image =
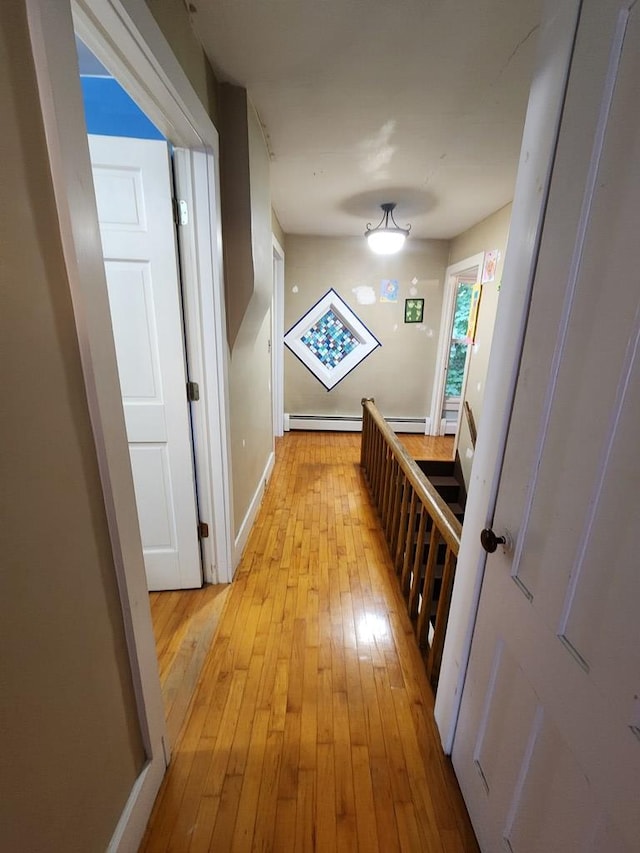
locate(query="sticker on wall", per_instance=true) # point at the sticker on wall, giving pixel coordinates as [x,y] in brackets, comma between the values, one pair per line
[389,290]
[330,340]
[490,263]
[413,310]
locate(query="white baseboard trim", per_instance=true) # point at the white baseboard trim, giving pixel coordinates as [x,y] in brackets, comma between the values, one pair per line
[252,512]
[137,811]
[345,423]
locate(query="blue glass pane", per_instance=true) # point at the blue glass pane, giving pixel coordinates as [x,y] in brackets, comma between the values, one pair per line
[329,340]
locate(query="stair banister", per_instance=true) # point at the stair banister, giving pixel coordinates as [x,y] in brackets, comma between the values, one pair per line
[417,523]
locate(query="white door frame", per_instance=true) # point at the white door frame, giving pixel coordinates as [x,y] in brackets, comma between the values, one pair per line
[206,342]
[277,339]
[446,322]
[160,88]
[555,47]
[144,62]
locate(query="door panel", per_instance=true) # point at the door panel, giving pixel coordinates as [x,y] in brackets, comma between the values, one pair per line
[133,192]
[547,749]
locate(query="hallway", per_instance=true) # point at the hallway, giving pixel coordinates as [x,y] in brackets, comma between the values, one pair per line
[312,726]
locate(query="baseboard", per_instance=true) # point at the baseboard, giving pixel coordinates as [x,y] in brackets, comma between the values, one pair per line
[346,423]
[137,811]
[252,512]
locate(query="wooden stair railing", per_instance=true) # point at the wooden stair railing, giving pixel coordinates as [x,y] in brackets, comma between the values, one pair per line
[471,421]
[422,533]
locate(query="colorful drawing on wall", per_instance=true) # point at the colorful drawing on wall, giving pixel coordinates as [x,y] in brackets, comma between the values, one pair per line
[491,259]
[413,310]
[473,313]
[330,340]
[389,290]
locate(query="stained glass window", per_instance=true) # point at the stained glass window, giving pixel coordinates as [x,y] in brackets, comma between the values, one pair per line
[330,340]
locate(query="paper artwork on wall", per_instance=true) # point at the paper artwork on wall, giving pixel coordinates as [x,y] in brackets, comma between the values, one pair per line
[413,310]
[476,292]
[330,340]
[389,290]
[364,294]
[490,263]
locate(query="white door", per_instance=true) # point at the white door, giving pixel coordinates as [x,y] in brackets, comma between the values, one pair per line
[133,192]
[547,748]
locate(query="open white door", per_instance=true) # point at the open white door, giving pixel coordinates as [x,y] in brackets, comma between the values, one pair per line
[547,748]
[133,192]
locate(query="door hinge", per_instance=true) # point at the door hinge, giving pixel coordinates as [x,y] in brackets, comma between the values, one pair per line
[193,392]
[203,530]
[180,212]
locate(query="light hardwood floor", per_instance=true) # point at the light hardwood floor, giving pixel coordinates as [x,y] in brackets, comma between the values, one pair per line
[184,623]
[312,726]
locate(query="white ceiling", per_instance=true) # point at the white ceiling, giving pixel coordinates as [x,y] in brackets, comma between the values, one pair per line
[420,102]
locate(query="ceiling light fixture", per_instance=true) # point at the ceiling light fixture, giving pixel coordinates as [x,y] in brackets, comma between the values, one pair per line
[385,238]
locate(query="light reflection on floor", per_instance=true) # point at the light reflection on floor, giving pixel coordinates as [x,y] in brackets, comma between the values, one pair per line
[371,627]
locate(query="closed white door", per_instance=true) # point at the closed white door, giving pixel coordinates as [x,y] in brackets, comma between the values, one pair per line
[547,748]
[133,192]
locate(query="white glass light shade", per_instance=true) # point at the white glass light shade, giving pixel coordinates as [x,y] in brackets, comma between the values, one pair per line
[387,237]
[386,241]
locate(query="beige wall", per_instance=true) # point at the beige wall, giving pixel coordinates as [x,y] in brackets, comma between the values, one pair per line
[173,19]
[70,743]
[250,360]
[489,234]
[400,373]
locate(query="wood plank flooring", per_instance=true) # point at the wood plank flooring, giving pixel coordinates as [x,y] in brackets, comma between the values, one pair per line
[312,727]
[428,446]
[184,623]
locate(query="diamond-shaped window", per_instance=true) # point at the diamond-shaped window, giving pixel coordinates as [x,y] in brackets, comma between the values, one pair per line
[330,340]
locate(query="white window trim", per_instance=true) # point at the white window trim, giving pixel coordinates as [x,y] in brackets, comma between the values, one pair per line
[448,306]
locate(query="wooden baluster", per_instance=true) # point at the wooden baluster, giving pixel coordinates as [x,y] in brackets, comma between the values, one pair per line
[424,617]
[364,440]
[394,511]
[378,463]
[374,459]
[388,468]
[400,532]
[442,615]
[405,578]
[414,594]
[394,486]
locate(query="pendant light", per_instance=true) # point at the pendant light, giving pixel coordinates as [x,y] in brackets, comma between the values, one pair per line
[386,238]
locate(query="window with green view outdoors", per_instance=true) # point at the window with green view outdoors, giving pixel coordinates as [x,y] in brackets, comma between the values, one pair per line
[458,349]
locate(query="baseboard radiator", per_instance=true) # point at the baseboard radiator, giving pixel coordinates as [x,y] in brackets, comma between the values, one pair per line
[347,423]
